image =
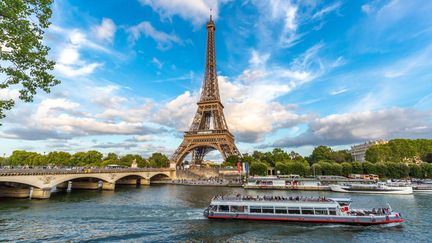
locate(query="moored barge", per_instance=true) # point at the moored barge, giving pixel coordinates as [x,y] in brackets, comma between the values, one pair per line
[298,209]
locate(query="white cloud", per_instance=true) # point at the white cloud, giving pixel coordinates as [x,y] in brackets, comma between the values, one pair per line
[338,91]
[9,94]
[106,30]
[156,62]
[75,71]
[346,128]
[367,8]
[327,9]
[252,109]
[69,63]
[196,11]
[163,39]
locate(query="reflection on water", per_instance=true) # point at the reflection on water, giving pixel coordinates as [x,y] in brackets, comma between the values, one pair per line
[174,213]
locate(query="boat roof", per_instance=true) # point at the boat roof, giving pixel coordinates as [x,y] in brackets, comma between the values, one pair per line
[279,201]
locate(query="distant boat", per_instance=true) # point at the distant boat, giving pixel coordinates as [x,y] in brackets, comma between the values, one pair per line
[371,189]
[422,187]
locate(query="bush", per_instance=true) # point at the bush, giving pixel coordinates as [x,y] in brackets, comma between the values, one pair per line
[258,168]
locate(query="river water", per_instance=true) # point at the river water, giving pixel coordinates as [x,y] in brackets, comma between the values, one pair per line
[164,213]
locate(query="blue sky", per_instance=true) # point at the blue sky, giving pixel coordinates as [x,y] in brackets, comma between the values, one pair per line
[292,74]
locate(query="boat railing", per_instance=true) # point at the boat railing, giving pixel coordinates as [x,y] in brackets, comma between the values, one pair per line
[271,198]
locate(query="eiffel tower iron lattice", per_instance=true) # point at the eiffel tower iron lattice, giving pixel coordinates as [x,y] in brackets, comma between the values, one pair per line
[209,129]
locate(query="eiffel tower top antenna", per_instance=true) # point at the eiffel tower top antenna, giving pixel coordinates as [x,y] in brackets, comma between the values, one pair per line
[210,87]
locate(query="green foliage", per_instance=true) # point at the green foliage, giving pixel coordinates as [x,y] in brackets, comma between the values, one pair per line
[22,53]
[320,153]
[258,169]
[158,160]
[341,156]
[232,160]
[330,168]
[346,168]
[381,169]
[397,170]
[58,158]
[416,171]
[357,168]
[21,157]
[316,169]
[369,168]
[401,150]
[293,167]
[128,159]
[89,158]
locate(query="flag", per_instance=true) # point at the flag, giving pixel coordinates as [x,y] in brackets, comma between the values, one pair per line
[238,167]
[247,168]
[243,168]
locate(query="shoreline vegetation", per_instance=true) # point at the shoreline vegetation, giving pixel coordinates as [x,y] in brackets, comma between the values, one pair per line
[399,158]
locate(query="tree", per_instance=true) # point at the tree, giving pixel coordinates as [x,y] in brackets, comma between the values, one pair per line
[258,168]
[58,158]
[428,158]
[357,168]
[341,156]
[22,53]
[232,160]
[89,158]
[128,159]
[316,169]
[381,169]
[369,168]
[283,168]
[415,171]
[158,160]
[320,153]
[346,168]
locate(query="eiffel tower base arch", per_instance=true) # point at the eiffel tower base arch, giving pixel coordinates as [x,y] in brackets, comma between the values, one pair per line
[200,144]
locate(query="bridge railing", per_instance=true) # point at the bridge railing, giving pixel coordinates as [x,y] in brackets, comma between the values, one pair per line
[79,170]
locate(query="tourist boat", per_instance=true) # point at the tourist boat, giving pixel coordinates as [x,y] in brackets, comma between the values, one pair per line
[378,188]
[298,209]
[422,187]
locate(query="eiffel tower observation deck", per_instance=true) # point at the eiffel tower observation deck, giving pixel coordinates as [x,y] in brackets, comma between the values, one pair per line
[209,129]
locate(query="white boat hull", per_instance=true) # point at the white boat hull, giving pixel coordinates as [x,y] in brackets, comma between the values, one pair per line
[400,191]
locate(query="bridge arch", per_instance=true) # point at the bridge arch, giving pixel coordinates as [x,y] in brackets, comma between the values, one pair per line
[160,176]
[189,150]
[79,176]
[28,183]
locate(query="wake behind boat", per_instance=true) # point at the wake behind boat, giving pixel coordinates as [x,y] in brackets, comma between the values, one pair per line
[371,189]
[298,209]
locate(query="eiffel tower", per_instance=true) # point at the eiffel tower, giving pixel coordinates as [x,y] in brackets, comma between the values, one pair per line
[209,129]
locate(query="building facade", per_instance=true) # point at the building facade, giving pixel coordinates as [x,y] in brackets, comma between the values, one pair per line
[358,152]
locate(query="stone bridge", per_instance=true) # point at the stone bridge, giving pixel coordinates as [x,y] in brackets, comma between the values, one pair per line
[39,183]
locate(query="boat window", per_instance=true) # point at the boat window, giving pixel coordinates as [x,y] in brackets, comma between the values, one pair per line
[307,211]
[321,211]
[344,203]
[281,210]
[332,211]
[213,207]
[255,209]
[223,208]
[267,210]
[294,210]
[238,209]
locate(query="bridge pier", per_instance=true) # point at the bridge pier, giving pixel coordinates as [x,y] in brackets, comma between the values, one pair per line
[65,186]
[108,186]
[145,182]
[37,193]
[11,192]
[128,182]
[85,185]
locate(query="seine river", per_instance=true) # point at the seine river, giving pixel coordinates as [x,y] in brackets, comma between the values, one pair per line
[174,213]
